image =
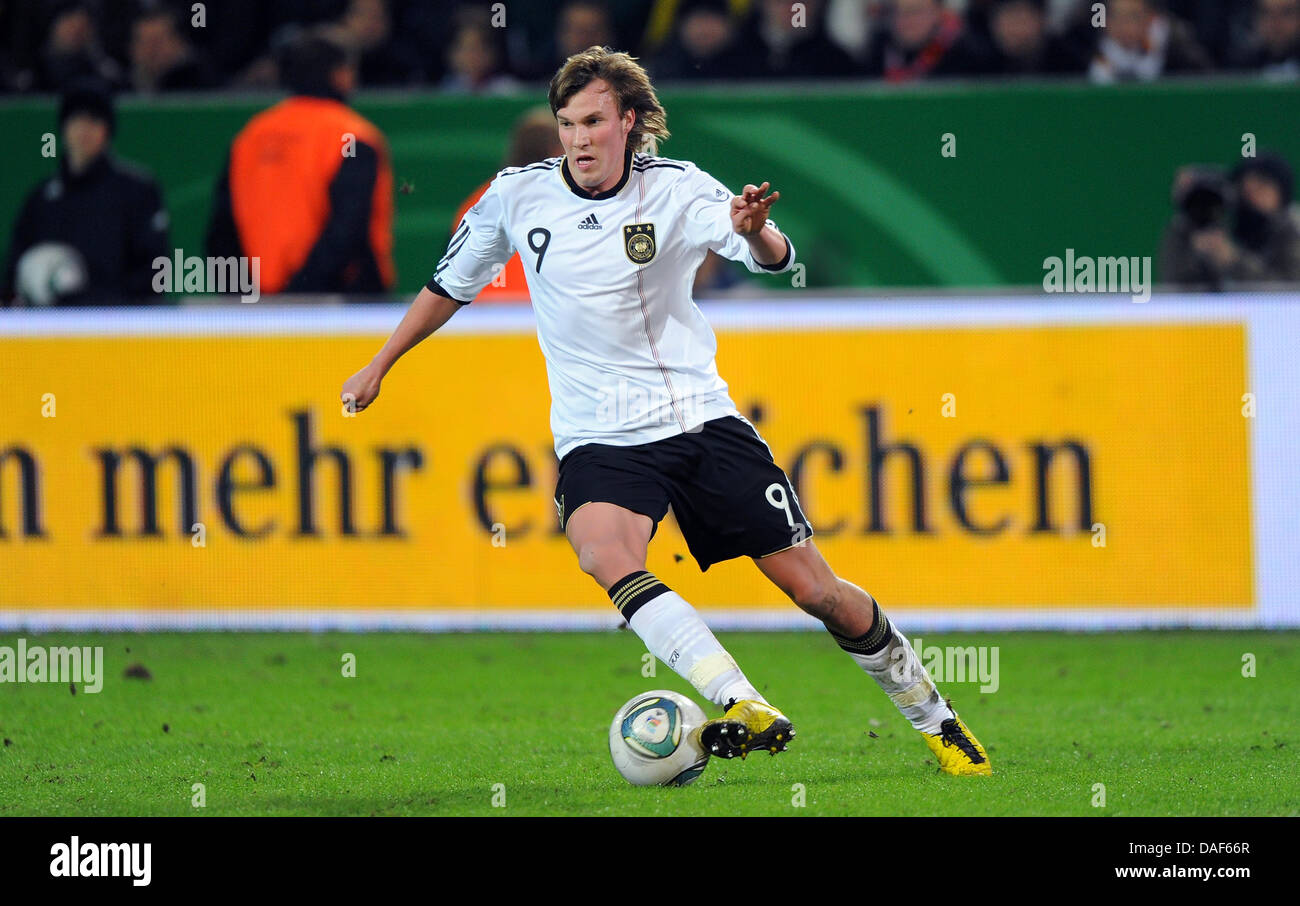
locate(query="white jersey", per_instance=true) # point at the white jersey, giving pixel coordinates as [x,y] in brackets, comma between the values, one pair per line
[629,355]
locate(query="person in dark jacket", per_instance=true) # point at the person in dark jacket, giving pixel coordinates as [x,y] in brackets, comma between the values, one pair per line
[162,58]
[1141,43]
[1021,44]
[923,39]
[1212,242]
[706,45]
[793,43]
[1274,48]
[308,187]
[89,235]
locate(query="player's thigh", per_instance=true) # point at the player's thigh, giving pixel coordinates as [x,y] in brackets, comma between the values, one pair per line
[736,501]
[610,540]
[801,572]
[610,499]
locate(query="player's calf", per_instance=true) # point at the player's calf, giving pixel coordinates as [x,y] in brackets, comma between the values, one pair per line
[885,654]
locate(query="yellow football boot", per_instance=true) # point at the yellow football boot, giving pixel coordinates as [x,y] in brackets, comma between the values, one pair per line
[957,749]
[746,726]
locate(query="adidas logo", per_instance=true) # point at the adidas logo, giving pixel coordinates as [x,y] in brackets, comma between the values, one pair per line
[590,223]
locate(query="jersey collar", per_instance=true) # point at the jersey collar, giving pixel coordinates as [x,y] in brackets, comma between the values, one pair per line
[609,193]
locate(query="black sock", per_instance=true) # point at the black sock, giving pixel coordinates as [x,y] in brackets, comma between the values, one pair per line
[634,590]
[871,641]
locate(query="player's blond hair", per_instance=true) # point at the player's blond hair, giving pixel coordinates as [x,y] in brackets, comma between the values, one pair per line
[630,84]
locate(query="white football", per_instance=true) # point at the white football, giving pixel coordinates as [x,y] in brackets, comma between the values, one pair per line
[48,271]
[653,740]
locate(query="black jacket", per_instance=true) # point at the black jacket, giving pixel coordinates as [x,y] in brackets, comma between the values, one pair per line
[113,214]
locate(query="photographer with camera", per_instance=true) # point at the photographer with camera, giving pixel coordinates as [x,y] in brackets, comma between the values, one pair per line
[1233,230]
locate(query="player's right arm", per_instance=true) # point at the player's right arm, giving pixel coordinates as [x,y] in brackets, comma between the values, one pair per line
[479,248]
[427,313]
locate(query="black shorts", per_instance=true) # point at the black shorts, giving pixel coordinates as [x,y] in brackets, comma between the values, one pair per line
[729,497]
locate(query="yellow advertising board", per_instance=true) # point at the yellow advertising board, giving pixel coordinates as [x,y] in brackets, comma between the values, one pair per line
[954,467]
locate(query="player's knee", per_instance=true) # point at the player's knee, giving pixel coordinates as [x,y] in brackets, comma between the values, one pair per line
[606,561]
[591,556]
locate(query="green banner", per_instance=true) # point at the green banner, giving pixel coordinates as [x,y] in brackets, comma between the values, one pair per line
[867,192]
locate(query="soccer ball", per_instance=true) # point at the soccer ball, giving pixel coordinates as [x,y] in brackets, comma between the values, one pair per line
[48,271]
[653,743]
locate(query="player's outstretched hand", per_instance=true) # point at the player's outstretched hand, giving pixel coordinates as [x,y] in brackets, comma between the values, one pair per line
[360,390]
[749,209]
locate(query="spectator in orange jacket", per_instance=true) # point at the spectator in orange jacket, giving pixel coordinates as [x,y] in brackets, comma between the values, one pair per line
[308,187]
[535,138]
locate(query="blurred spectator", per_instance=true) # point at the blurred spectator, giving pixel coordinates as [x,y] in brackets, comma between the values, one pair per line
[579,25]
[535,138]
[232,36]
[1202,198]
[89,234]
[250,36]
[659,24]
[706,45]
[1021,43]
[977,14]
[1072,21]
[924,39]
[543,34]
[162,58]
[1141,43]
[851,23]
[73,52]
[367,29]
[1212,241]
[1062,14]
[308,187]
[1274,49]
[1219,27]
[423,26]
[794,48]
[475,57]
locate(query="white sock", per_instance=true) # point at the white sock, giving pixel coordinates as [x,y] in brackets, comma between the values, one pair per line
[674,633]
[899,673]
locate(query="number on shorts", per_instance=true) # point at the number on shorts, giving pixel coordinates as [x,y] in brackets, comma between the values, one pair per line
[776,496]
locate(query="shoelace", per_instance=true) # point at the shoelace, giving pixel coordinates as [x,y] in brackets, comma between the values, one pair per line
[951,734]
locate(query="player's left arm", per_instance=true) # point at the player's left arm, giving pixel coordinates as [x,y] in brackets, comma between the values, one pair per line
[749,218]
[736,227]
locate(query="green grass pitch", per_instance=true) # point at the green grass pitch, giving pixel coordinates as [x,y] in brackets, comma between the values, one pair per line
[431,724]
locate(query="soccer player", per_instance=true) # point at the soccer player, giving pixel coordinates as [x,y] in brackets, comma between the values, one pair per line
[611,239]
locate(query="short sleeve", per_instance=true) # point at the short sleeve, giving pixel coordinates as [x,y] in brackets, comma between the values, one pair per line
[478,250]
[708,223]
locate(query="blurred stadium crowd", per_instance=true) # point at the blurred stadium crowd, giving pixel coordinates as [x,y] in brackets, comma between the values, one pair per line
[321,222]
[151,46]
